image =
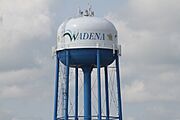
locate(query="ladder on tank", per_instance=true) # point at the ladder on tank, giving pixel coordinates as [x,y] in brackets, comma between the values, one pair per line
[62,93]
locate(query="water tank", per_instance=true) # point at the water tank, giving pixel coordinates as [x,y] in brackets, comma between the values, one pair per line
[82,36]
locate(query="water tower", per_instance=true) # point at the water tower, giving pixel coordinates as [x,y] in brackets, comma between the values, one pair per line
[87,42]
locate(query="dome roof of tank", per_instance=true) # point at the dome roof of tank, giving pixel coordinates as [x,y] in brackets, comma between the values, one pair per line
[86,32]
[88,23]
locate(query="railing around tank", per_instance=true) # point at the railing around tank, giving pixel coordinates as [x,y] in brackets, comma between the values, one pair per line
[92,117]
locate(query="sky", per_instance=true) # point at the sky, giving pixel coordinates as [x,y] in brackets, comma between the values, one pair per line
[148,30]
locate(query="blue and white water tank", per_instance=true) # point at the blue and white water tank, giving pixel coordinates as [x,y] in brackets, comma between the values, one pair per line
[87,32]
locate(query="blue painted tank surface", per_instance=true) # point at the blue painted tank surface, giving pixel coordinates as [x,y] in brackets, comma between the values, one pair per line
[87,56]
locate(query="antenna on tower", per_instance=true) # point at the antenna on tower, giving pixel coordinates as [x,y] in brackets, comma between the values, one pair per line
[91,13]
[80,12]
[87,12]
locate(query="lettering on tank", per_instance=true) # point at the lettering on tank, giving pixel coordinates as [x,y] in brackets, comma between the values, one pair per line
[84,35]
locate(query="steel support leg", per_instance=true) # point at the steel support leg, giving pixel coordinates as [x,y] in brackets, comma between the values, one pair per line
[118,88]
[56,89]
[99,83]
[76,93]
[106,91]
[67,86]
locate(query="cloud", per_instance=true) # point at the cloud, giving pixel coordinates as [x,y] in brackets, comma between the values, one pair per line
[149,34]
[25,28]
[157,15]
[130,118]
[150,49]
[12,91]
[25,59]
[16,84]
[5,115]
[135,92]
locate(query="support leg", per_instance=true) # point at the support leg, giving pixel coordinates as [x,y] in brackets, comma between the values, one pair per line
[99,84]
[118,88]
[76,93]
[106,91]
[67,86]
[56,89]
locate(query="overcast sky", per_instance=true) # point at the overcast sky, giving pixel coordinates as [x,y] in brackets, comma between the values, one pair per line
[149,32]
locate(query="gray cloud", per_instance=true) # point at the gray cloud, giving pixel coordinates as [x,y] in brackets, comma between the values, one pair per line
[25,59]
[149,35]
[25,28]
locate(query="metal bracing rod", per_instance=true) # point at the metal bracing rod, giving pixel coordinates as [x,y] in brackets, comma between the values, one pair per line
[99,84]
[106,91]
[118,87]
[76,93]
[67,86]
[56,88]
